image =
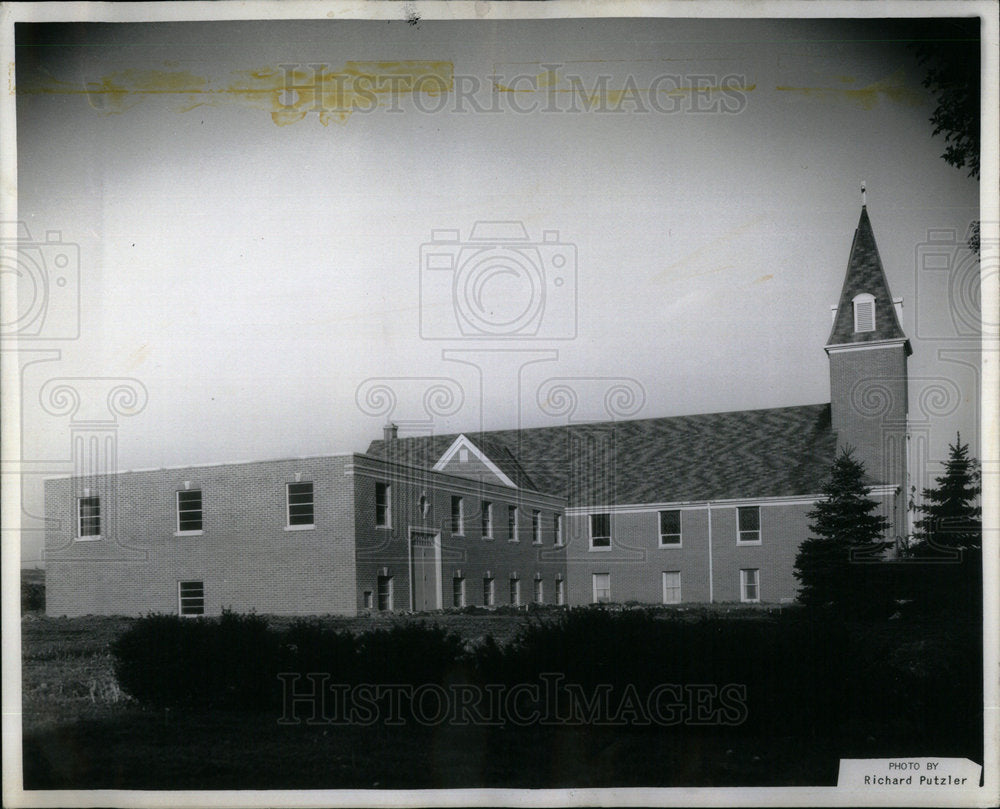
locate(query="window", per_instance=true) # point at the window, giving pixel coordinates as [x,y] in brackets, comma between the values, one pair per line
[368,600]
[487,517]
[536,527]
[458,591]
[600,530]
[515,592]
[489,591]
[750,584]
[425,506]
[560,592]
[300,505]
[557,529]
[88,523]
[385,592]
[191,597]
[512,524]
[864,312]
[602,588]
[749,524]
[189,511]
[670,528]
[671,587]
[539,592]
[457,515]
[383,505]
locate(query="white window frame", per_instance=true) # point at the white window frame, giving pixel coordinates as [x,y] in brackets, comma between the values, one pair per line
[369,599]
[858,301]
[460,592]
[515,592]
[489,591]
[745,583]
[458,525]
[676,587]
[190,532]
[514,525]
[487,519]
[80,536]
[740,532]
[390,586]
[536,527]
[596,590]
[181,598]
[558,530]
[387,489]
[288,507]
[590,526]
[561,592]
[680,528]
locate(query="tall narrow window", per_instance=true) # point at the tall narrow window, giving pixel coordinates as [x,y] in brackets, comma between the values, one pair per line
[536,527]
[515,592]
[489,591]
[750,584]
[300,504]
[671,587]
[88,524]
[512,524]
[458,591]
[864,312]
[385,592]
[602,588]
[560,592]
[383,505]
[457,515]
[189,511]
[670,527]
[191,597]
[539,592]
[487,518]
[600,530]
[557,529]
[749,524]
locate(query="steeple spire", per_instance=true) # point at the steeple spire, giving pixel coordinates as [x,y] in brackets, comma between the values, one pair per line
[866,312]
[863,204]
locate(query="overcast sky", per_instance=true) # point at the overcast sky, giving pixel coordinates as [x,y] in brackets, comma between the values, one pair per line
[253,272]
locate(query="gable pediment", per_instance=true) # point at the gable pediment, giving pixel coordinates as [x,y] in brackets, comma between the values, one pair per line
[465,459]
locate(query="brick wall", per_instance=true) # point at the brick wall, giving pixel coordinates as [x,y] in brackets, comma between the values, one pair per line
[244,556]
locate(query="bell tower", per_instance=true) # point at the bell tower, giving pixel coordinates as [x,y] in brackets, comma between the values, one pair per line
[867,350]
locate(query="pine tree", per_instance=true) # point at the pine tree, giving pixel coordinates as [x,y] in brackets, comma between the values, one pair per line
[951,517]
[835,565]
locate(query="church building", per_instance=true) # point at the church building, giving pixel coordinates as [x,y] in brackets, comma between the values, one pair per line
[704,508]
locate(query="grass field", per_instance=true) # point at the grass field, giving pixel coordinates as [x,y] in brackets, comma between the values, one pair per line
[82,731]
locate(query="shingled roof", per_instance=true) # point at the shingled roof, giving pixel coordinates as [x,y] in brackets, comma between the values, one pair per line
[717,456]
[865,274]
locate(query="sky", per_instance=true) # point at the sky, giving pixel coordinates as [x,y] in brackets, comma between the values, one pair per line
[258,274]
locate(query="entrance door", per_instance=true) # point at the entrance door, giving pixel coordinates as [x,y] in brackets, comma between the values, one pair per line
[425,572]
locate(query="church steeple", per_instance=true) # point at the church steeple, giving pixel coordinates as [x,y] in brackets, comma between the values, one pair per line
[866,311]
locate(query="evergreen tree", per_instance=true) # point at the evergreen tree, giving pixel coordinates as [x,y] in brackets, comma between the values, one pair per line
[951,519]
[836,564]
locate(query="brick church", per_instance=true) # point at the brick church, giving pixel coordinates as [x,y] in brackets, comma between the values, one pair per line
[705,508]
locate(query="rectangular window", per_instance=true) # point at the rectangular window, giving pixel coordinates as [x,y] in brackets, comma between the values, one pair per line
[515,592]
[457,515]
[749,519]
[489,592]
[458,592]
[560,592]
[300,504]
[750,584]
[369,602]
[487,517]
[539,592]
[189,511]
[191,597]
[557,527]
[602,588]
[600,530]
[512,524]
[88,523]
[383,505]
[670,527]
[671,587]
[536,527]
[385,592]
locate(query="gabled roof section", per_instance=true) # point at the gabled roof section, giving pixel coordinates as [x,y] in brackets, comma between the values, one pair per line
[718,456]
[865,275]
[466,459]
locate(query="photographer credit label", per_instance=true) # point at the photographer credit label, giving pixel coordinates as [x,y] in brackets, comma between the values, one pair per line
[912,773]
